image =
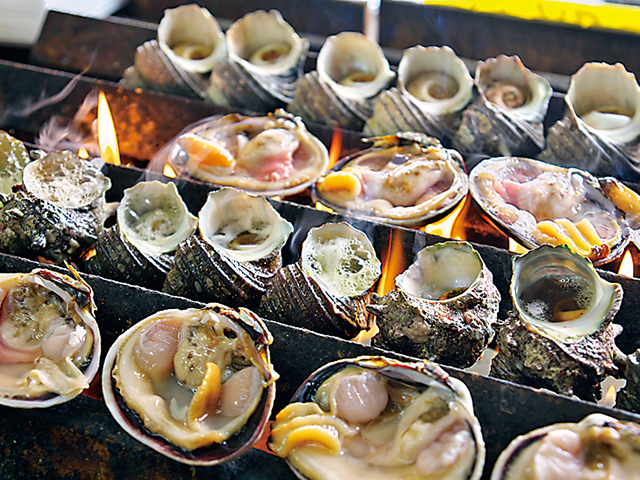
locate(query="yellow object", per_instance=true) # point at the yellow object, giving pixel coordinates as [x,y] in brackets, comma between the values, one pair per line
[207,153]
[559,235]
[205,400]
[601,15]
[589,232]
[311,435]
[344,185]
[624,198]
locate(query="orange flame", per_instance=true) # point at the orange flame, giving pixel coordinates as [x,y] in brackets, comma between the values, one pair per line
[515,247]
[107,132]
[336,147]
[82,153]
[394,263]
[169,172]
[444,226]
[626,266]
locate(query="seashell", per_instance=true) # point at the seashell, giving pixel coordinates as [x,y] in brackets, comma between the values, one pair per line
[538,203]
[191,38]
[507,117]
[380,418]
[13,158]
[628,398]
[152,69]
[434,86]
[601,130]
[403,179]
[237,253]
[270,155]
[266,57]
[350,70]
[442,308]
[210,397]
[559,335]
[50,341]
[598,445]
[328,288]
[152,221]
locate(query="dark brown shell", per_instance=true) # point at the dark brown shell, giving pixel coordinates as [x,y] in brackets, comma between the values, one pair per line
[297,299]
[528,358]
[315,101]
[629,397]
[30,226]
[118,259]
[202,273]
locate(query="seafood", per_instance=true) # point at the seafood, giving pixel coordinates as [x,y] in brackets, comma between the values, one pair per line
[599,446]
[560,335]
[538,203]
[236,254]
[628,398]
[13,158]
[506,118]
[403,179]
[50,338]
[378,418]
[434,86]
[208,397]
[442,308]
[328,288]
[350,71]
[270,155]
[600,131]
[152,220]
[266,57]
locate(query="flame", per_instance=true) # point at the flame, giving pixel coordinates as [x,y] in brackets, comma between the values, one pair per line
[609,398]
[107,132]
[393,264]
[82,153]
[515,247]
[324,208]
[336,147]
[626,266]
[169,172]
[444,226]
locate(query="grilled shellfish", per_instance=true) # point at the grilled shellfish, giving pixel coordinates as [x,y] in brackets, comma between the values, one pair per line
[270,155]
[601,128]
[442,308]
[599,446]
[327,289]
[50,348]
[403,179]
[13,158]
[194,385]
[560,335]
[507,117]
[539,203]
[378,418]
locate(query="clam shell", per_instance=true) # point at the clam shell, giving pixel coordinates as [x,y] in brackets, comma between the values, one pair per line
[195,30]
[39,386]
[429,182]
[509,190]
[595,433]
[601,129]
[419,376]
[560,335]
[256,349]
[507,117]
[442,308]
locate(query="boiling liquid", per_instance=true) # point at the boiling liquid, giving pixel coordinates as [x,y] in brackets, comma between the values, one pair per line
[557,299]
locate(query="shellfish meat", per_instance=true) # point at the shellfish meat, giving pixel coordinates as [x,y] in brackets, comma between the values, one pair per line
[560,335]
[442,308]
[380,419]
[404,179]
[195,385]
[50,347]
[270,155]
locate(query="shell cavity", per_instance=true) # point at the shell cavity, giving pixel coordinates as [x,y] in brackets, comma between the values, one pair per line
[191,37]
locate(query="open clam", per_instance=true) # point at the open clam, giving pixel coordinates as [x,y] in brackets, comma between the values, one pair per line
[403,179]
[152,220]
[601,128]
[599,446]
[350,71]
[560,335]
[195,385]
[270,155]
[50,348]
[13,158]
[507,117]
[442,308]
[376,418]
[434,86]
[237,252]
[328,288]
[266,57]
[539,203]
